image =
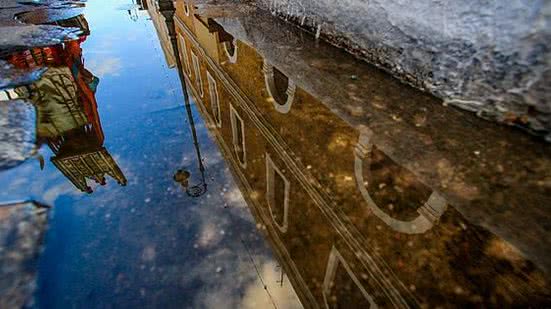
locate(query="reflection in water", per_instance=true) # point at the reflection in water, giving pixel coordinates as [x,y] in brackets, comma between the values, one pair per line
[365,204]
[148,244]
[22,229]
[368,192]
[167,10]
[182,176]
[67,111]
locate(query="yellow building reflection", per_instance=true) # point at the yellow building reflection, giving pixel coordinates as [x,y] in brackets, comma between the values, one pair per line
[352,228]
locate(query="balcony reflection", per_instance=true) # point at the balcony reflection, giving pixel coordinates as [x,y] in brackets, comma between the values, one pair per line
[372,194]
[66,108]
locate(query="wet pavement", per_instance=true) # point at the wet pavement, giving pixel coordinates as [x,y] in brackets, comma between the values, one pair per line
[222,158]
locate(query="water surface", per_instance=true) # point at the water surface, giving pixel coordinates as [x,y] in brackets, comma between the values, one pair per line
[303,178]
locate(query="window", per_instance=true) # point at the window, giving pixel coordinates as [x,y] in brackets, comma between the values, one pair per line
[238,132]
[186,9]
[213,93]
[277,194]
[230,47]
[197,73]
[183,48]
[341,287]
[280,88]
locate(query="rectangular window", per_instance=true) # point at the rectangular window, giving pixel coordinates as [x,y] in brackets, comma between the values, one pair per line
[277,194]
[238,132]
[197,73]
[341,287]
[213,93]
[183,48]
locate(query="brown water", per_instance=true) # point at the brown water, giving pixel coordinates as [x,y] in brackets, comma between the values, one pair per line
[245,164]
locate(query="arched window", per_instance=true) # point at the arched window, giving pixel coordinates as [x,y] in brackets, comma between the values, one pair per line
[277,194]
[280,88]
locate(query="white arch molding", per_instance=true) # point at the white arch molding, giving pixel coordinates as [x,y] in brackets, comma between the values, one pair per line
[429,213]
[282,107]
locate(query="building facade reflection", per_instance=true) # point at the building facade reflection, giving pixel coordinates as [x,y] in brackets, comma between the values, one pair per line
[152,7]
[351,226]
[67,110]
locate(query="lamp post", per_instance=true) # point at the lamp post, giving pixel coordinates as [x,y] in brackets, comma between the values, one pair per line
[166,7]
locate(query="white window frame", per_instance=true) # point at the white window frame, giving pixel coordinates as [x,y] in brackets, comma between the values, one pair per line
[335,257]
[183,46]
[197,73]
[271,170]
[186,9]
[233,118]
[214,99]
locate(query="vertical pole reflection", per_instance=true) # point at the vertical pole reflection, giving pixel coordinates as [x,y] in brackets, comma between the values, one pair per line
[166,7]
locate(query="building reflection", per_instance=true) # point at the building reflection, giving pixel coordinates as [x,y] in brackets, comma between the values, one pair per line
[352,225]
[67,110]
[152,7]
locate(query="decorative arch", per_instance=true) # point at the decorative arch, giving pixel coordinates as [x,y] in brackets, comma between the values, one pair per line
[280,88]
[429,213]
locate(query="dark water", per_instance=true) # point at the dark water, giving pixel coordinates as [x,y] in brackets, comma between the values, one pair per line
[328,183]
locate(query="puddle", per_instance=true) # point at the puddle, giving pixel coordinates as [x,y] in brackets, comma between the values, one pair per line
[245,164]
